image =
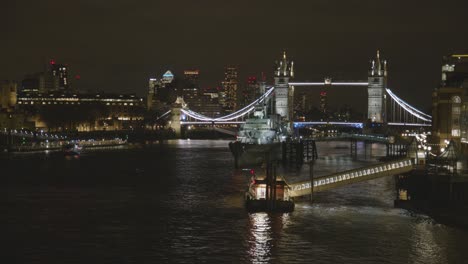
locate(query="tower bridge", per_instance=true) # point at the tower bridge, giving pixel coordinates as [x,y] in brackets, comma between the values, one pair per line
[384,106]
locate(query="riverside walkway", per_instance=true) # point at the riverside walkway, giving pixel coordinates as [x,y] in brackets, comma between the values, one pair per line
[347,177]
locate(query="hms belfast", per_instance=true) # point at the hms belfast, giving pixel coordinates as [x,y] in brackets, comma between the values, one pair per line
[270,124]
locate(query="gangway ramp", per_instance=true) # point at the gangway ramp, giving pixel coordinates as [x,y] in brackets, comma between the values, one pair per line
[343,178]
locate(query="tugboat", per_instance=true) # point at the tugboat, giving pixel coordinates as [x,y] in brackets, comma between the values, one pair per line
[72,149]
[268,193]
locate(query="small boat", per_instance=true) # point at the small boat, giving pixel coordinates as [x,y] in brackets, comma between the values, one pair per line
[72,149]
[261,196]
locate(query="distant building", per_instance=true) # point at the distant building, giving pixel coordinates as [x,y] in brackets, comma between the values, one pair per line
[190,90]
[450,101]
[60,71]
[9,116]
[54,78]
[8,90]
[153,87]
[230,87]
[161,91]
[250,92]
[191,78]
[31,83]
[167,77]
[83,112]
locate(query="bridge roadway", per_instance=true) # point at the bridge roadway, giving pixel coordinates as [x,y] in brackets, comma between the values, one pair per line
[343,178]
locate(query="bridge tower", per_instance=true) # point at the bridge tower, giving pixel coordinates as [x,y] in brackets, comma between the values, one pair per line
[376,90]
[284,70]
[175,115]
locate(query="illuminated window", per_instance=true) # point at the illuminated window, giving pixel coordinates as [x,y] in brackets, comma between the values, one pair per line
[261,192]
[455,132]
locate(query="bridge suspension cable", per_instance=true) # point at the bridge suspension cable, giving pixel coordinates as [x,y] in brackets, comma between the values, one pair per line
[239,113]
[408,108]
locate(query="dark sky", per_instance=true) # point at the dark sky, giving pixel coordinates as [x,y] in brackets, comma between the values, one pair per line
[116,45]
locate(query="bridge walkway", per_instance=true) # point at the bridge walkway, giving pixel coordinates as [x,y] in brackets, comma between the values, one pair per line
[347,177]
[357,137]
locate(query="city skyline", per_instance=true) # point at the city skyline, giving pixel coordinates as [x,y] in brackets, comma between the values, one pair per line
[121,44]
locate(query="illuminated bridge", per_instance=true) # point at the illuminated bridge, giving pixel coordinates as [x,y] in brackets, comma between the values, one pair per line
[399,113]
[343,178]
[384,106]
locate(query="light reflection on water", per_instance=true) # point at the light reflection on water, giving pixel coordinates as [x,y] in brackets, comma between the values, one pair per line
[181,202]
[260,227]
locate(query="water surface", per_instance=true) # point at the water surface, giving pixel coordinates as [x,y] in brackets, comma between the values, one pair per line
[182,202]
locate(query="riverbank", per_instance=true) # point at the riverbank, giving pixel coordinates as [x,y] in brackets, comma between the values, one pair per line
[58,146]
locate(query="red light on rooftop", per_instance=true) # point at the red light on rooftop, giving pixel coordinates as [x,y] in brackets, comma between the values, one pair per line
[77,77]
[323,93]
[52,62]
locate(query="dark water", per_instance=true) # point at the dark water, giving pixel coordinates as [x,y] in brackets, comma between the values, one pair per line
[182,203]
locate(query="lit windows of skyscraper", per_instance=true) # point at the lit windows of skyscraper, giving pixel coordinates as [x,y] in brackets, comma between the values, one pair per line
[230,86]
[153,86]
[191,78]
[60,72]
[164,88]
[250,92]
[54,78]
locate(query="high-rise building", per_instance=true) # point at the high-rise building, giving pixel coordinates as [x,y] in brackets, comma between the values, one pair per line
[376,90]
[54,78]
[164,88]
[250,92]
[60,71]
[167,77]
[153,86]
[190,89]
[191,79]
[284,94]
[450,101]
[230,86]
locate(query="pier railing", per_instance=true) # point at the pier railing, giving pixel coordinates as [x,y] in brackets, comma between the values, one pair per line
[343,178]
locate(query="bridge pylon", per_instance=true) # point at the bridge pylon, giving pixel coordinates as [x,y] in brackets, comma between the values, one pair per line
[376,106]
[175,115]
[284,70]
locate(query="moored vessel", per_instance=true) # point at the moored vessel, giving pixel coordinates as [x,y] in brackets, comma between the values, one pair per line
[257,136]
[268,193]
[72,149]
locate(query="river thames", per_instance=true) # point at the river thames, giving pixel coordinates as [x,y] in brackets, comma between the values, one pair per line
[182,202]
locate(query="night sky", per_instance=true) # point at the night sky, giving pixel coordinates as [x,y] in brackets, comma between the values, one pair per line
[116,45]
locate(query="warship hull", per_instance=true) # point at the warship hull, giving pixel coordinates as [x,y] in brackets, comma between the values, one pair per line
[248,155]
